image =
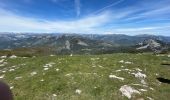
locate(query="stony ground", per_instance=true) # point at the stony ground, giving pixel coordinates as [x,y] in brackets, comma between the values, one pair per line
[80,77]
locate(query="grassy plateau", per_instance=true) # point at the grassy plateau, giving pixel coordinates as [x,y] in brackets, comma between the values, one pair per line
[86,77]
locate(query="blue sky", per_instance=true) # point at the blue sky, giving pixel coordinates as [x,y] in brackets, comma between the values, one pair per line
[130,17]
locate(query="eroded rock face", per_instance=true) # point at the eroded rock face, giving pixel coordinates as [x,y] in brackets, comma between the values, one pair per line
[67,45]
[149,43]
[82,43]
[154,45]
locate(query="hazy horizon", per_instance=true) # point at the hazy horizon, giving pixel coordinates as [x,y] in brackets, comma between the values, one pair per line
[70,33]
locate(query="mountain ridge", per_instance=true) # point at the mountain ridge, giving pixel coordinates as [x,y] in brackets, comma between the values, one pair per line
[77,43]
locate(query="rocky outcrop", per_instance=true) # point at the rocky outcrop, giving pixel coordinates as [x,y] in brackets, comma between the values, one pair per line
[156,46]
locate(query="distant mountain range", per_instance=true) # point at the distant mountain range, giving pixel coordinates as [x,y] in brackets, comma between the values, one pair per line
[81,43]
[125,40]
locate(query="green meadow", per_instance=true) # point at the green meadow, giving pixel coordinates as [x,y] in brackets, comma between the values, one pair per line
[86,77]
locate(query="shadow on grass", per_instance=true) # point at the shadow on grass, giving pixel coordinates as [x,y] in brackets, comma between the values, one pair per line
[163,80]
[165,64]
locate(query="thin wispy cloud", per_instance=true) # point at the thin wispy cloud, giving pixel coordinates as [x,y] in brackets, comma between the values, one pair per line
[151,10]
[20,23]
[152,14]
[77,7]
[108,6]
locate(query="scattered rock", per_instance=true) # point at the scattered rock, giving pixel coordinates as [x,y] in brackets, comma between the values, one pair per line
[127,62]
[11,70]
[2,60]
[13,56]
[54,95]
[57,69]
[17,78]
[156,74]
[49,64]
[3,64]
[126,69]
[143,82]
[138,69]
[150,98]
[13,66]
[3,57]
[78,91]
[122,66]
[69,74]
[2,76]
[128,91]
[33,73]
[143,90]
[121,61]
[115,77]
[71,55]
[151,88]
[52,55]
[139,75]
[3,71]
[93,59]
[118,70]
[11,87]
[100,66]
[46,68]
